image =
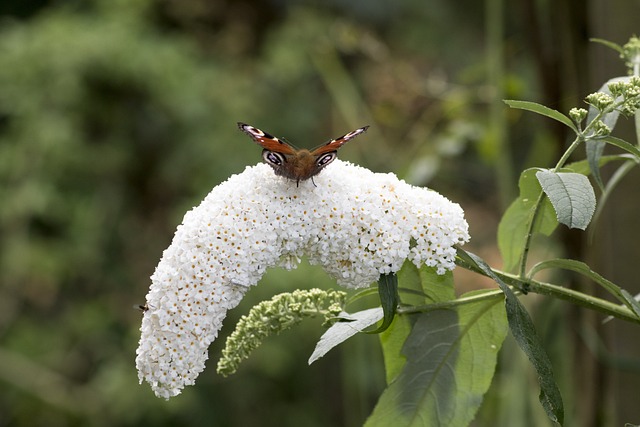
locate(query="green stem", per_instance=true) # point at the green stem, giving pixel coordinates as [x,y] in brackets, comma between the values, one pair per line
[573,296]
[488,295]
[580,138]
[576,142]
[527,241]
[536,210]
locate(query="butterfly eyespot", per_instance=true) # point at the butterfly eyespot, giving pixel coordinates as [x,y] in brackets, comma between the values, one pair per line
[273,158]
[325,159]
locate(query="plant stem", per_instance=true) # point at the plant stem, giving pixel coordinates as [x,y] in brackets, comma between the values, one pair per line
[573,296]
[488,295]
[534,214]
[527,241]
[580,138]
[576,142]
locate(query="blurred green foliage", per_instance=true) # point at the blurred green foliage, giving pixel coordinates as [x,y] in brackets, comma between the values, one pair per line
[117,116]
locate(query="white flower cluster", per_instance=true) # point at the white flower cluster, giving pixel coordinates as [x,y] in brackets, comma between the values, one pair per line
[355,223]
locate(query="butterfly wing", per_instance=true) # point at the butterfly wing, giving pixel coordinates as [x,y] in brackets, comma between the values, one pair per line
[334,144]
[265,140]
[297,165]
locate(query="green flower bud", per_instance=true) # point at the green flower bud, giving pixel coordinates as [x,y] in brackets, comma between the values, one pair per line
[578,114]
[274,316]
[600,100]
[631,52]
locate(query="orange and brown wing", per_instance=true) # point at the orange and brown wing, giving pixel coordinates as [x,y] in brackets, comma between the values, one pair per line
[334,144]
[265,140]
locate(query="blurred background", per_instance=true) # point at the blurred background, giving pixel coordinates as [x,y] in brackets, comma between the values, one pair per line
[117,116]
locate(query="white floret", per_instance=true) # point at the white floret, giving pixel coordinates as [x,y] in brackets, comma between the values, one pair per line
[355,223]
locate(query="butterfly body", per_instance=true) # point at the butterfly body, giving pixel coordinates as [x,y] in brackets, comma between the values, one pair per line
[301,166]
[296,164]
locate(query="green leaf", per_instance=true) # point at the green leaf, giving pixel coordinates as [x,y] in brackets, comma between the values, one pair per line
[607,43]
[410,285]
[514,225]
[342,331]
[582,166]
[582,268]
[571,195]
[388,291]
[544,110]
[631,301]
[392,341]
[594,150]
[437,287]
[621,143]
[451,357]
[524,332]
[420,286]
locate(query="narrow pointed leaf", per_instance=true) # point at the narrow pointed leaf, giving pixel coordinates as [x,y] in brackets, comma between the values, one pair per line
[582,268]
[607,43]
[621,143]
[571,195]
[594,149]
[544,110]
[388,291]
[524,332]
[582,166]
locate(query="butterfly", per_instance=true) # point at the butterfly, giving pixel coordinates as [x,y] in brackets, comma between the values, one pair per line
[297,164]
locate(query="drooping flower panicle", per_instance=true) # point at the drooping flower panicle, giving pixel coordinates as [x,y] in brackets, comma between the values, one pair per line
[355,223]
[274,316]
